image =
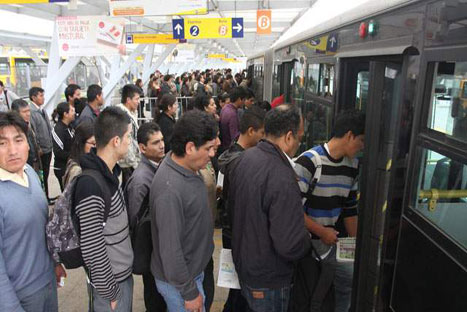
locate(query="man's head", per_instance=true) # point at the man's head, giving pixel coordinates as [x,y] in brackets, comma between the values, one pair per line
[2,87]
[151,141]
[252,125]
[194,138]
[113,131]
[250,98]
[284,126]
[168,78]
[237,97]
[130,97]
[238,78]
[14,147]
[224,99]
[22,108]
[72,93]
[95,95]
[36,95]
[349,128]
[169,104]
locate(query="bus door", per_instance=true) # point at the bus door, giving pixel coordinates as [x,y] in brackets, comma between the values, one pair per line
[286,72]
[374,85]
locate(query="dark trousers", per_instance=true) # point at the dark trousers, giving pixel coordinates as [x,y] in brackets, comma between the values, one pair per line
[59,173]
[153,300]
[45,159]
[235,301]
[267,299]
[208,285]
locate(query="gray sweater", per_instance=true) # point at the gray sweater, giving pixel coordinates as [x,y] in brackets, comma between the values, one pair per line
[40,123]
[182,229]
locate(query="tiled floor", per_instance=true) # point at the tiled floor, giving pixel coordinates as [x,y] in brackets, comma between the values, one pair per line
[73,296]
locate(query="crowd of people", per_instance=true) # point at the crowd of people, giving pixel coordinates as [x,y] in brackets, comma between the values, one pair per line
[146,196]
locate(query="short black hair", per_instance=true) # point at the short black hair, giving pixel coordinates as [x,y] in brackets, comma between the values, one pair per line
[129,91]
[167,77]
[237,93]
[282,119]
[194,126]
[34,91]
[13,119]
[1,84]
[350,120]
[93,91]
[224,96]
[167,100]
[202,101]
[252,118]
[265,105]
[18,104]
[145,130]
[70,90]
[249,93]
[111,122]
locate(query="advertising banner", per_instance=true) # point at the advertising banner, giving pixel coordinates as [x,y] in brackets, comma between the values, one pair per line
[90,35]
[30,1]
[157,7]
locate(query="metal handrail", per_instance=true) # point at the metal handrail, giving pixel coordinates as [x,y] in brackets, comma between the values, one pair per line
[442,194]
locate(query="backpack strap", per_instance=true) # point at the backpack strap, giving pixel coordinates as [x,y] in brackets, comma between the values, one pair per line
[6,99]
[319,167]
[99,178]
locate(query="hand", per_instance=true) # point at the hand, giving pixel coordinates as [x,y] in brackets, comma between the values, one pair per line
[195,305]
[113,305]
[328,236]
[59,272]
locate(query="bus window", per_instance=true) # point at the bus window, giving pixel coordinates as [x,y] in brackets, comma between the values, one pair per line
[297,82]
[326,80]
[362,90]
[442,194]
[313,78]
[448,107]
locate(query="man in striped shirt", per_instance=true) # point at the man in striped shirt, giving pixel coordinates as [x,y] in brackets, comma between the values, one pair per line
[332,195]
[106,246]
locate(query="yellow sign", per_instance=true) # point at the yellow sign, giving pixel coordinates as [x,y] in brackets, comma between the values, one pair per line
[317,43]
[201,28]
[230,60]
[154,38]
[217,56]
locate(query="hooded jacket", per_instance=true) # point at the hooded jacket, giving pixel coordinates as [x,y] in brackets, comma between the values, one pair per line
[227,161]
[106,248]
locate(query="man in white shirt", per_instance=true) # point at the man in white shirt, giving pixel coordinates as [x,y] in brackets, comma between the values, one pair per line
[6,98]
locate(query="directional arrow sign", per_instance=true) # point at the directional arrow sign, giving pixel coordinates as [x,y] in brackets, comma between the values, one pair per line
[206,28]
[237,27]
[331,45]
[178,28]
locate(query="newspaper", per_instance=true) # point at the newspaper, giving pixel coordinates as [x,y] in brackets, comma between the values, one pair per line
[228,277]
[345,249]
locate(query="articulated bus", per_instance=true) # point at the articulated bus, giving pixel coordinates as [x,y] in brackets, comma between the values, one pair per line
[404,63]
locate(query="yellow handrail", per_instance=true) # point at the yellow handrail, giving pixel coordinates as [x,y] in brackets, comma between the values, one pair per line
[437,194]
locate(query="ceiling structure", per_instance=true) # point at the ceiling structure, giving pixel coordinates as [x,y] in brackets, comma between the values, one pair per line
[284,14]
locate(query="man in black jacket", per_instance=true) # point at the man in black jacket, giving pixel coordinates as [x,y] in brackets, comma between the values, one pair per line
[151,145]
[268,227]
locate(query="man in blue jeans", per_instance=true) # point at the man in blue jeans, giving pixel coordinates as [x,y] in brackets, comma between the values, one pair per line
[27,278]
[181,222]
[268,228]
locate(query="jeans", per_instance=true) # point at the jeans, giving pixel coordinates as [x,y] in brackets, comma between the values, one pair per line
[343,285]
[266,299]
[153,300]
[43,300]
[172,296]
[124,304]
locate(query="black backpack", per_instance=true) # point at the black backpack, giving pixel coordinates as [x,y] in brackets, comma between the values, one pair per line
[63,228]
[141,239]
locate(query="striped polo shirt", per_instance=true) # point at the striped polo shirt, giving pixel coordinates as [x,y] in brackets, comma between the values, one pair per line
[334,193]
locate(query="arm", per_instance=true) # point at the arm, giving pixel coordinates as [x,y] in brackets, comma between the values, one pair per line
[167,214]
[350,211]
[8,299]
[233,126]
[287,230]
[90,211]
[59,145]
[135,192]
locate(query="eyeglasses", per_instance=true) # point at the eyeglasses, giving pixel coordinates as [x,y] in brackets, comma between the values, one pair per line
[93,144]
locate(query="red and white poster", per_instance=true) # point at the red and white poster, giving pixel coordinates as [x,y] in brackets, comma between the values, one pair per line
[90,35]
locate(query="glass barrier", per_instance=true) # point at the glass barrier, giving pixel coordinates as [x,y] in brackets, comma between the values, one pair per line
[442,194]
[448,107]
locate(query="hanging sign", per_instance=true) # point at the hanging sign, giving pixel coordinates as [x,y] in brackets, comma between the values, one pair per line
[30,1]
[205,28]
[151,39]
[89,35]
[157,7]
[263,22]
[217,56]
[184,56]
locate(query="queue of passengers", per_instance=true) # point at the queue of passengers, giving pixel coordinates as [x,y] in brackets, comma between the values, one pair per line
[145,198]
